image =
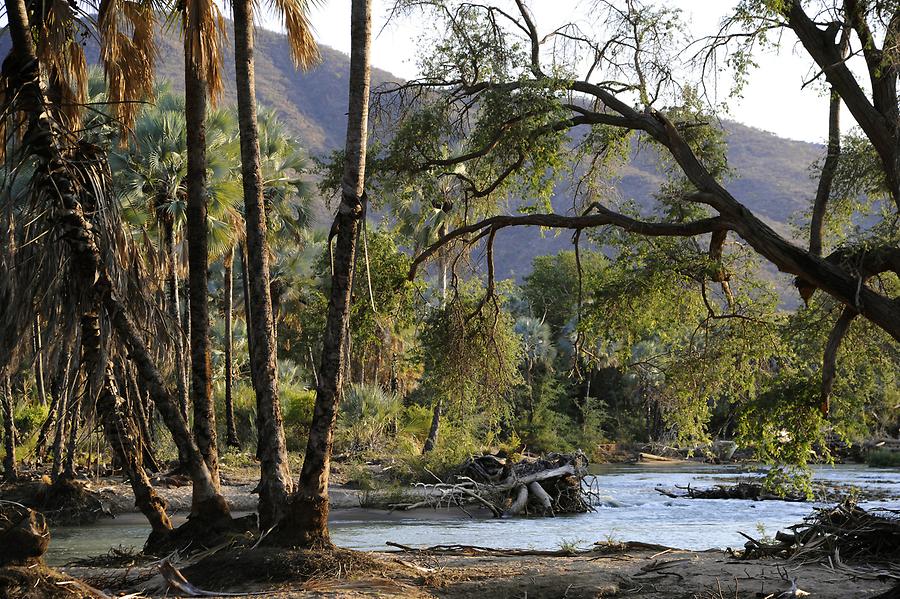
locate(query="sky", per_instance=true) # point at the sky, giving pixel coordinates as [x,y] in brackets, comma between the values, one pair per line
[775,84]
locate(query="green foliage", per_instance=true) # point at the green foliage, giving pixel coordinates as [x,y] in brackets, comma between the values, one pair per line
[883,458]
[297,404]
[471,355]
[29,417]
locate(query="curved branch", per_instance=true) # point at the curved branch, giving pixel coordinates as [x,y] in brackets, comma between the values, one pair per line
[829,360]
[559,221]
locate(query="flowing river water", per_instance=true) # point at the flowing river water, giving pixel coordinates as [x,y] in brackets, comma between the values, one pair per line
[630,509]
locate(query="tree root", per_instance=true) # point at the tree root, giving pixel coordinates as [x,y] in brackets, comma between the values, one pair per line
[550,485]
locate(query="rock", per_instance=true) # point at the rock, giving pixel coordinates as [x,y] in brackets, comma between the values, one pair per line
[24,535]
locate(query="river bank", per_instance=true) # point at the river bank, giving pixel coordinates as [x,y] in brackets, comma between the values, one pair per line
[642,572]
[563,558]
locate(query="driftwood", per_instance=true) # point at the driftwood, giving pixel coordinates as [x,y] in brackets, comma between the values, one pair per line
[751,491]
[845,537]
[550,485]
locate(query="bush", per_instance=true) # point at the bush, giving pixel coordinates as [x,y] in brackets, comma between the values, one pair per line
[883,458]
[369,419]
[297,404]
[29,418]
[244,400]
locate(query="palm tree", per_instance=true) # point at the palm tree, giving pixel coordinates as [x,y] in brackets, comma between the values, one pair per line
[287,202]
[307,522]
[275,480]
[152,175]
[203,27]
[87,233]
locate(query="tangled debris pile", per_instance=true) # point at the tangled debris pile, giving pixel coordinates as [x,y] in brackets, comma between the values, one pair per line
[548,485]
[742,490]
[839,536]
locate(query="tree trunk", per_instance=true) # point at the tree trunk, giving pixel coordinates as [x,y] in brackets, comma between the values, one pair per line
[72,423]
[275,477]
[432,438]
[39,362]
[307,521]
[174,309]
[9,432]
[245,288]
[57,408]
[73,228]
[118,428]
[195,86]
[231,430]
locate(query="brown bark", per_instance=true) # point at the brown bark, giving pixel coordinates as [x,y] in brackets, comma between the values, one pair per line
[829,359]
[230,428]
[275,477]
[118,430]
[23,76]
[195,86]
[10,473]
[307,522]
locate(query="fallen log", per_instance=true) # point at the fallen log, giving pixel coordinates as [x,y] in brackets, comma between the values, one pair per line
[744,490]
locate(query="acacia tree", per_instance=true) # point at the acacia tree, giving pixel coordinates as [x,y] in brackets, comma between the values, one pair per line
[517,100]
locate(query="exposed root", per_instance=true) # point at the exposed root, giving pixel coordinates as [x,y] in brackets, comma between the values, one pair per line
[553,484]
[64,502]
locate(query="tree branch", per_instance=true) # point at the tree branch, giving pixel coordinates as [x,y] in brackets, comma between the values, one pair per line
[558,221]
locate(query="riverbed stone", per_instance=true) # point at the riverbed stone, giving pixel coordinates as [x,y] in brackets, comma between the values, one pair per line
[24,535]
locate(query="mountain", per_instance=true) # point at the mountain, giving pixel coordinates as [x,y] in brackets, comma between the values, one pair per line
[771,173]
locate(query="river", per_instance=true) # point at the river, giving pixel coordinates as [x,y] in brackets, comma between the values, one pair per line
[630,509]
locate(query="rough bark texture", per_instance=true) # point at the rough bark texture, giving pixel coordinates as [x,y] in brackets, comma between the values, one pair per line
[275,477]
[195,100]
[23,75]
[9,432]
[307,523]
[230,428]
[119,430]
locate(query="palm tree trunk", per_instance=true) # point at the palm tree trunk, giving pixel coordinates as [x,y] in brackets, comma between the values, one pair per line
[118,428]
[57,407]
[174,309]
[231,430]
[39,362]
[307,521]
[245,288]
[275,477]
[195,87]
[76,232]
[10,473]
